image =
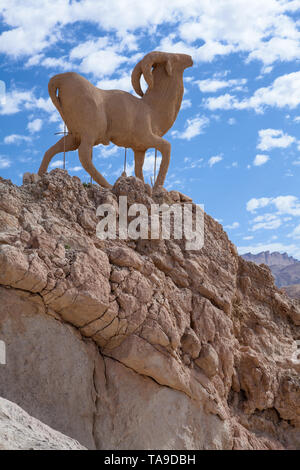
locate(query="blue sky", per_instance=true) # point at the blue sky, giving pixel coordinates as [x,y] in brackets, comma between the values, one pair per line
[236,141]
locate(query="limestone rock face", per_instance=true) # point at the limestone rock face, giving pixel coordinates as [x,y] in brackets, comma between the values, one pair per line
[19,431]
[125,344]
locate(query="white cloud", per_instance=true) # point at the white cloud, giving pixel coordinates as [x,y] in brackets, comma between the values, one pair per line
[34,60]
[236,23]
[60,63]
[287,205]
[266,69]
[274,138]
[28,35]
[193,127]
[260,160]
[284,91]
[56,164]
[205,53]
[148,167]
[16,139]
[283,49]
[102,63]
[106,152]
[255,204]
[35,125]
[295,233]
[296,162]
[190,164]
[283,204]
[76,168]
[263,30]
[15,100]
[186,104]
[121,83]
[233,226]
[2,92]
[266,222]
[41,103]
[231,121]
[102,57]
[225,102]
[213,85]
[4,162]
[213,160]
[25,100]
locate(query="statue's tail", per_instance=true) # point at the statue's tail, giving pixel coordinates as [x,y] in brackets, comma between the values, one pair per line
[54,92]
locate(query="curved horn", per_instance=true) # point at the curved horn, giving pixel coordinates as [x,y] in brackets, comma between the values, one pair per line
[135,79]
[145,67]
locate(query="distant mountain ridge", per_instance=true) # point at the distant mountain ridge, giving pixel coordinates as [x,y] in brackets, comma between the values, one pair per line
[285,268]
[271,259]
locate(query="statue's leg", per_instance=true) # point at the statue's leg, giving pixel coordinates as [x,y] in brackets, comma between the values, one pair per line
[85,156]
[67,143]
[139,158]
[164,147]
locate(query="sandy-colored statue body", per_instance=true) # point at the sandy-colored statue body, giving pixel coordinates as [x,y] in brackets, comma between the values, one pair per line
[94,116]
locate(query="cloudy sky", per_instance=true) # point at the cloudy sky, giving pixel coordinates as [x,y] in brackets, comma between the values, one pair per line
[236,141]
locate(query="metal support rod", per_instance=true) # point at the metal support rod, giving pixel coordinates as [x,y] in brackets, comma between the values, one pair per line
[125,160]
[64,133]
[155,166]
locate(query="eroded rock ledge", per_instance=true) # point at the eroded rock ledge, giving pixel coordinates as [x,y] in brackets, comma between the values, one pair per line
[140,344]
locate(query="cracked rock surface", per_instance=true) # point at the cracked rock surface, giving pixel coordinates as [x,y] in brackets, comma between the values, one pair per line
[125,344]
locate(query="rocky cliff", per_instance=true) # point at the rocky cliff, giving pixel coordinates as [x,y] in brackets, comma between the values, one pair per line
[140,344]
[285,269]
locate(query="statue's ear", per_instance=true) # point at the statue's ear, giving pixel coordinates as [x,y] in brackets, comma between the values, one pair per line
[169,68]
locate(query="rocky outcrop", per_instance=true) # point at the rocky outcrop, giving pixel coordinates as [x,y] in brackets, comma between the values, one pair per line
[126,344]
[293,290]
[285,269]
[19,431]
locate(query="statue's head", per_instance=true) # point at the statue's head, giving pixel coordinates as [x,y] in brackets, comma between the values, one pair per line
[173,63]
